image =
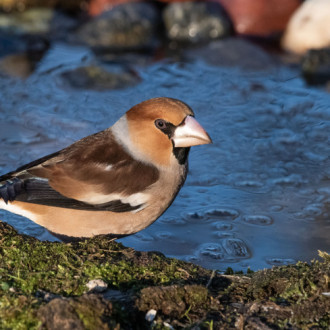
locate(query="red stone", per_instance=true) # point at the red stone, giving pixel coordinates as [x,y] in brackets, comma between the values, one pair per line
[97,7]
[262,18]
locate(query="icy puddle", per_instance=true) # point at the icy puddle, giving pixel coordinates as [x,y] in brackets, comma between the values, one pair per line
[259,196]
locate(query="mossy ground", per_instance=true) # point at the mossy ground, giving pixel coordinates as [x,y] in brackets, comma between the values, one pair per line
[43,285]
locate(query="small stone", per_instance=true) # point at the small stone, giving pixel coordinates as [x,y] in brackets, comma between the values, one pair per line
[326,294]
[37,21]
[20,5]
[167,325]
[151,314]
[196,21]
[262,18]
[316,66]
[131,26]
[97,285]
[308,28]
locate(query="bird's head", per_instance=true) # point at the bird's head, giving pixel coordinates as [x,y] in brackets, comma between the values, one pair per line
[158,126]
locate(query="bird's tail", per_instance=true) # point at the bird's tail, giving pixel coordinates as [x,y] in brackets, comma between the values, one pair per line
[10,188]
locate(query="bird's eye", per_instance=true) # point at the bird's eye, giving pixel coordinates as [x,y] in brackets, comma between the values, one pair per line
[160,123]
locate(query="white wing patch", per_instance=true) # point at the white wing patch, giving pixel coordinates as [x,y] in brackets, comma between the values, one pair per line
[104,166]
[133,200]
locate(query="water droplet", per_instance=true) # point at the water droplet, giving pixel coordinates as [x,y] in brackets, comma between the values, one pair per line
[248,183]
[223,234]
[280,261]
[191,216]
[293,179]
[235,247]
[223,226]
[173,221]
[211,250]
[164,235]
[144,237]
[259,220]
[276,208]
[224,214]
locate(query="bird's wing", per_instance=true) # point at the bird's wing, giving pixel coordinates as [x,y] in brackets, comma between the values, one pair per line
[95,173]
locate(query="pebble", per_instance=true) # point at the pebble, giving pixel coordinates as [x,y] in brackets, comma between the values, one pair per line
[20,5]
[259,220]
[263,18]
[308,28]
[167,325]
[97,285]
[37,21]
[131,26]
[315,66]
[193,22]
[151,314]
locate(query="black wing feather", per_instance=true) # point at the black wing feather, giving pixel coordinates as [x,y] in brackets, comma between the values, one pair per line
[38,191]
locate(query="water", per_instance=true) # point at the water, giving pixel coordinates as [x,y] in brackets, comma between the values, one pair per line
[258,196]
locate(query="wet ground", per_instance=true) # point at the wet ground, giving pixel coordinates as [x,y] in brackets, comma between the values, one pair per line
[259,196]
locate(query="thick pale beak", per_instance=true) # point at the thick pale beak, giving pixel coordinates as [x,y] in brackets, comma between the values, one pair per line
[190,133]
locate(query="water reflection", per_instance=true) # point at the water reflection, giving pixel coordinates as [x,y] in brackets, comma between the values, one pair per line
[259,196]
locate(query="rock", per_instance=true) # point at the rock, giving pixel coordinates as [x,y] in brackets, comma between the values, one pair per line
[172,300]
[96,7]
[150,315]
[59,314]
[195,21]
[97,285]
[17,65]
[96,78]
[19,55]
[262,18]
[309,27]
[130,26]
[36,21]
[20,5]
[316,66]
[73,313]
[233,52]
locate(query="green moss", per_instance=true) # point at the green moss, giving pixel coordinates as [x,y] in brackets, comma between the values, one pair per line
[28,264]
[183,294]
[18,311]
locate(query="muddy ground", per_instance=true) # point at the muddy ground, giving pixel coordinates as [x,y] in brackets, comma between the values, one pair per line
[43,285]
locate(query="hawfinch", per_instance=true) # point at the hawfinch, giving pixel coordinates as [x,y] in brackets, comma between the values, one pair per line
[114,182]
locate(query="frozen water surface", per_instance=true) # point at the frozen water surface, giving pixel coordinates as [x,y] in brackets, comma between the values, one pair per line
[258,196]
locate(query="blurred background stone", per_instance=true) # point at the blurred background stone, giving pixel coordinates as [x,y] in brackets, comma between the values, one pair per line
[96,7]
[309,27]
[37,21]
[195,21]
[262,18]
[130,26]
[20,5]
[316,66]
[19,54]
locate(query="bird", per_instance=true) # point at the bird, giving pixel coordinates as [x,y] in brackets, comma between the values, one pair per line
[115,182]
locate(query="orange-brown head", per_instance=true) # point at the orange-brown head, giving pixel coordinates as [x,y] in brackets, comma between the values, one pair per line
[158,125]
